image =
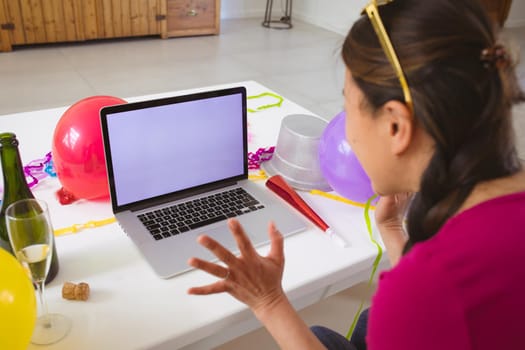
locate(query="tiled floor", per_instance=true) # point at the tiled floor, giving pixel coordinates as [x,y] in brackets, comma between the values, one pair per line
[302,64]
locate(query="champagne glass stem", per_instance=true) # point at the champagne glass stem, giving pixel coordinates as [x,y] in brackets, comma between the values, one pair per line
[31,236]
[40,286]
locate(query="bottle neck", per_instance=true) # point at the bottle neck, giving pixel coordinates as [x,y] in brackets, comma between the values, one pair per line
[15,183]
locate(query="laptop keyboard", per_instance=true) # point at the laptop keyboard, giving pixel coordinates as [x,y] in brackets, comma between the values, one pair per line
[179,218]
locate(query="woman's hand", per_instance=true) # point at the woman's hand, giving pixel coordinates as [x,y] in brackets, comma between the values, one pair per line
[390,210]
[250,278]
[390,214]
[256,281]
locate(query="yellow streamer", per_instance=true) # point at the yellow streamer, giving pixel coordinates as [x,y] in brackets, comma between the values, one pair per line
[279,102]
[341,199]
[260,176]
[97,223]
[90,224]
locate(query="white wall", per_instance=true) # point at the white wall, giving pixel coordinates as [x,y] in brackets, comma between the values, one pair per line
[334,15]
[517,14]
[338,15]
[243,8]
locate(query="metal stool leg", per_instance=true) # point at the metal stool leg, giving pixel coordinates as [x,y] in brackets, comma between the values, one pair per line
[268,14]
[285,22]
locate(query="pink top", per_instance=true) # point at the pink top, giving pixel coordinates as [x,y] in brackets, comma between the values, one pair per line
[462,289]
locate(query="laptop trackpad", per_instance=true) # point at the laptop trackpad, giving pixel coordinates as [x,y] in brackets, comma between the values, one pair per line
[224,237]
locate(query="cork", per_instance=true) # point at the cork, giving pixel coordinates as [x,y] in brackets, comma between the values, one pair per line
[72,291]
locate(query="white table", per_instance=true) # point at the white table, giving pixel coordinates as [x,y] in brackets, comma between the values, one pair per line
[130,307]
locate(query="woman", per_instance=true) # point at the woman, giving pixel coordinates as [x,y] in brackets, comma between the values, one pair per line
[428,96]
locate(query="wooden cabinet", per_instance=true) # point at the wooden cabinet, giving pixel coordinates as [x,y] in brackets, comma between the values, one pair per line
[47,21]
[120,18]
[5,43]
[34,21]
[192,17]
[498,10]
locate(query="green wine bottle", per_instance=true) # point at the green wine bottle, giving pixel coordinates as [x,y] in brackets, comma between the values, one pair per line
[16,188]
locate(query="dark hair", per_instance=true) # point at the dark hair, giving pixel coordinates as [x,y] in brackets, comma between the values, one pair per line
[462,103]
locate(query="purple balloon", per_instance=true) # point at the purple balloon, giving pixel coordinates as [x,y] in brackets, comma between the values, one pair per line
[340,166]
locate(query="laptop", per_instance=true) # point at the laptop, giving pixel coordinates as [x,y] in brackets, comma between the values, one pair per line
[177,168]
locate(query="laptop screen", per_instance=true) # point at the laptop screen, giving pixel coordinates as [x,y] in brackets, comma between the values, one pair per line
[174,144]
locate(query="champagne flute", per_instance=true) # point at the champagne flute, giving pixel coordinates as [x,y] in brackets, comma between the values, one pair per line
[31,237]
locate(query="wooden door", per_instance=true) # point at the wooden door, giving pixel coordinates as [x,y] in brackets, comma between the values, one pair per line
[121,18]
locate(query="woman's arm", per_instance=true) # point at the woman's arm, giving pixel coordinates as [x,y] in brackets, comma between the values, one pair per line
[286,327]
[390,214]
[395,240]
[256,281]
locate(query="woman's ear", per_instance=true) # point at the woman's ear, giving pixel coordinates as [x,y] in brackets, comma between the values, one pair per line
[399,121]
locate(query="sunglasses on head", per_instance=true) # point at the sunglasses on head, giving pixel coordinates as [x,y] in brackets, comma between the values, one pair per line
[373,14]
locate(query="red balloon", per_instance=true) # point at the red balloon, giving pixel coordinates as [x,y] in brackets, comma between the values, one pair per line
[78,150]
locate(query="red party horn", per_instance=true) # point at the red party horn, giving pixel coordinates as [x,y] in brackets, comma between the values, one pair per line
[280,187]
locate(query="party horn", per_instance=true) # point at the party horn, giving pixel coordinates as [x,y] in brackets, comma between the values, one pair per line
[280,187]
